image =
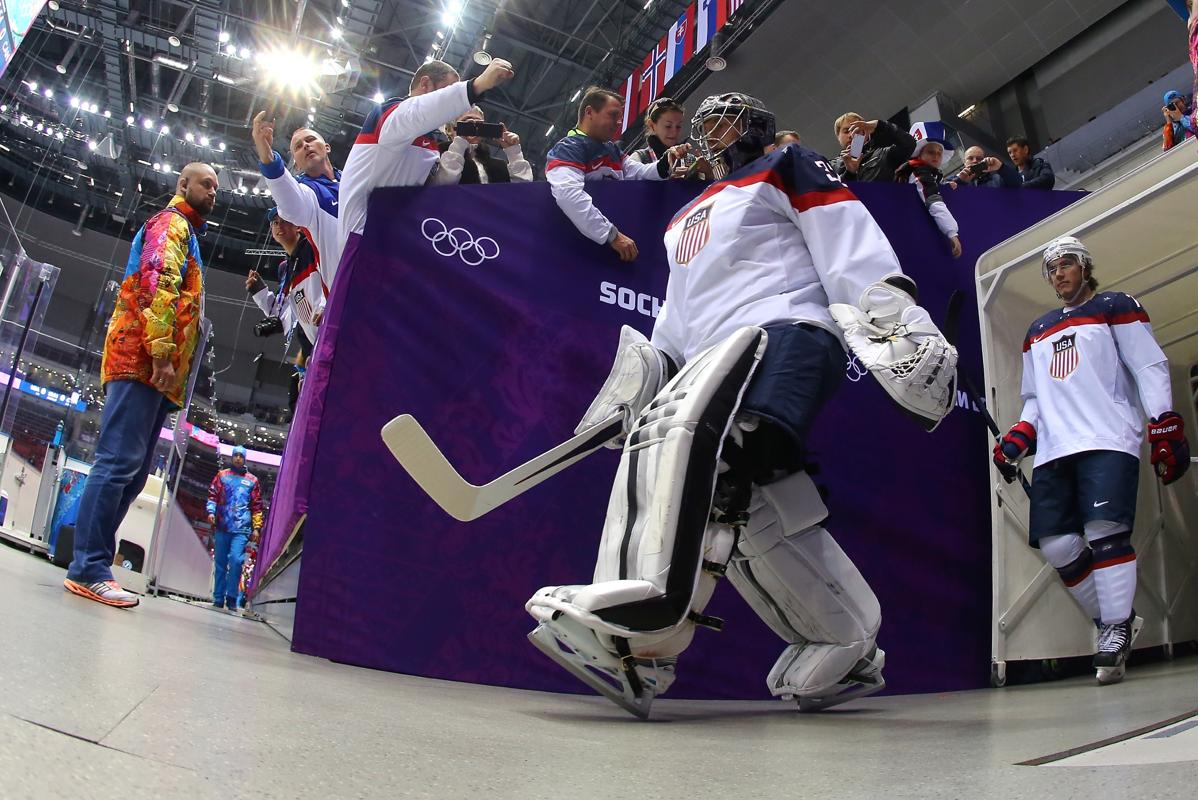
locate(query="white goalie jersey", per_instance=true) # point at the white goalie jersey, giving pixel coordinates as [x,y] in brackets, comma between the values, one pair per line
[777,241]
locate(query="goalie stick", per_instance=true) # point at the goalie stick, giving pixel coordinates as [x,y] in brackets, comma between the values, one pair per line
[952,321]
[462,500]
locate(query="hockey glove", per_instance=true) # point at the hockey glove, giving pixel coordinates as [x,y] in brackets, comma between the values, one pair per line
[268,327]
[1170,450]
[1011,448]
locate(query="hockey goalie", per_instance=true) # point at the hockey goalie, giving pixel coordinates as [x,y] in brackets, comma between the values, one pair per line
[774,270]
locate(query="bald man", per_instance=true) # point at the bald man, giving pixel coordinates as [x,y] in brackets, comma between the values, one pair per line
[152,336]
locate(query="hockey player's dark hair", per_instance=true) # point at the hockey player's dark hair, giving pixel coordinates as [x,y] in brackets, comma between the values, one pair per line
[596,97]
[437,70]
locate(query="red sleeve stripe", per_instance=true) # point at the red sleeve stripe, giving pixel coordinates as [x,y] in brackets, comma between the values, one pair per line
[800,202]
[373,136]
[557,162]
[1094,319]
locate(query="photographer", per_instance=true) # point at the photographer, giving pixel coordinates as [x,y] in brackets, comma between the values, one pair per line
[466,158]
[1179,121]
[872,151]
[299,304]
[983,170]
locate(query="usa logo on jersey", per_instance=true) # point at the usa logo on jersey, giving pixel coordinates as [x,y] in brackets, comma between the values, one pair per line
[1064,357]
[696,231]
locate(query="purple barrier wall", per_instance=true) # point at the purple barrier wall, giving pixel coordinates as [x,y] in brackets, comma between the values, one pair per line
[498,360]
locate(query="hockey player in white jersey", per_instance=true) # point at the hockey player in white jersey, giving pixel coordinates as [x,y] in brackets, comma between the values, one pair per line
[771,269]
[1091,371]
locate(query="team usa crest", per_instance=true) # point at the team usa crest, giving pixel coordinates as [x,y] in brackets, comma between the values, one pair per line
[696,231]
[1064,357]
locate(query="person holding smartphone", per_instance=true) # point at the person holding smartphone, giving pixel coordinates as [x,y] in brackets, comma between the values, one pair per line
[983,170]
[466,157]
[871,150]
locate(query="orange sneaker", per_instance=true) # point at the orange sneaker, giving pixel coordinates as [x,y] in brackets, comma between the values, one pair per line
[109,593]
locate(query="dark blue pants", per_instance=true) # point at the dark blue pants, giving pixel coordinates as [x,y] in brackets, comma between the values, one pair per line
[133,416]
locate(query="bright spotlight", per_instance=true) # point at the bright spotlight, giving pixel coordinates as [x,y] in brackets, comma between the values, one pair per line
[203,141]
[49,93]
[191,137]
[288,68]
[224,37]
[148,124]
[74,102]
[378,97]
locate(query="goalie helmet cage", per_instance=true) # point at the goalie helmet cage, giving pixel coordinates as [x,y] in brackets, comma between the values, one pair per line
[1140,233]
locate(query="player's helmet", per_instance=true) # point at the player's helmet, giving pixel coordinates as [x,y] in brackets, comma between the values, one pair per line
[750,116]
[1064,246]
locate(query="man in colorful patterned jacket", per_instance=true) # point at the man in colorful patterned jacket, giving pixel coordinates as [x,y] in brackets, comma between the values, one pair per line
[152,336]
[235,512]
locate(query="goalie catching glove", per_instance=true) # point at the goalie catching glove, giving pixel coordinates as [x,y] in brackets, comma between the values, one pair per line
[896,340]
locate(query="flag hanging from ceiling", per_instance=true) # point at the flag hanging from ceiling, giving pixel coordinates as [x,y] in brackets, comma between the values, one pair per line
[712,14]
[630,98]
[653,75]
[681,42]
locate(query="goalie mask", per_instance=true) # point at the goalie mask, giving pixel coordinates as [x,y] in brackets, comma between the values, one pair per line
[731,130]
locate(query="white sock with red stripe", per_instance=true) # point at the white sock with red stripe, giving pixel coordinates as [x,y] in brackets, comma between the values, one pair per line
[1114,569]
[1073,561]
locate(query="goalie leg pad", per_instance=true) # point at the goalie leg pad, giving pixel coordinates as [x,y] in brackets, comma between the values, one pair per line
[800,582]
[660,554]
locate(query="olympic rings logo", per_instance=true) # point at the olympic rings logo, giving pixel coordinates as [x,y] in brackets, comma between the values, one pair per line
[854,370]
[449,242]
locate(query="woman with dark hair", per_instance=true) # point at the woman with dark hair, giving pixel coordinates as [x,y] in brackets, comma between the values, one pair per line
[666,128]
[468,159]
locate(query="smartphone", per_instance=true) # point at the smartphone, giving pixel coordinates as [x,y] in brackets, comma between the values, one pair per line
[487,130]
[857,145]
[978,168]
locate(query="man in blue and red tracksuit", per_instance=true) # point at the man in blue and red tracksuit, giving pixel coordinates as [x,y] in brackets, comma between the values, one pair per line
[235,511]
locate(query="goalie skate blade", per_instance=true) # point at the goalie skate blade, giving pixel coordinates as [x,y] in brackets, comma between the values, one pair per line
[544,640]
[810,704]
[462,500]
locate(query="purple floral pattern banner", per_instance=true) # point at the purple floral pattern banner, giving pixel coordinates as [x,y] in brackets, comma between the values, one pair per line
[482,312]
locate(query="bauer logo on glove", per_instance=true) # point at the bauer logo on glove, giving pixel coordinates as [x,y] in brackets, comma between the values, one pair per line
[1170,452]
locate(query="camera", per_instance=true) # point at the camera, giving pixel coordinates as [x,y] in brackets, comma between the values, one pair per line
[486,130]
[268,327]
[977,169]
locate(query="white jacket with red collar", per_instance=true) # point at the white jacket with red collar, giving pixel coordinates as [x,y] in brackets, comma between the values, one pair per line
[396,147]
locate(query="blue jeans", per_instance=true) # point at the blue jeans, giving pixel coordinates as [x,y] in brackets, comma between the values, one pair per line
[228,555]
[133,416]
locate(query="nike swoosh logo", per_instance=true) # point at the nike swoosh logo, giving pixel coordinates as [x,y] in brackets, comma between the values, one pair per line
[1103,503]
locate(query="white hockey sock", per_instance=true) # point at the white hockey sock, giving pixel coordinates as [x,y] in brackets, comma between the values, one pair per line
[1074,561]
[1114,569]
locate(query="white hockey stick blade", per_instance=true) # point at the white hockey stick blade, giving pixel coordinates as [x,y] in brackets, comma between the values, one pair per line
[462,500]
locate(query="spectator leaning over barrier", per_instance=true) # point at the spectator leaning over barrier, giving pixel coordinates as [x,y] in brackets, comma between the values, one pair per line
[665,127]
[1179,120]
[588,153]
[397,145]
[1035,172]
[468,159]
[310,197]
[152,336]
[884,149]
[923,170]
[986,171]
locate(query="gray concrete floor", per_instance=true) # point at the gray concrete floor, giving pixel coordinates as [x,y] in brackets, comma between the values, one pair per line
[173,700]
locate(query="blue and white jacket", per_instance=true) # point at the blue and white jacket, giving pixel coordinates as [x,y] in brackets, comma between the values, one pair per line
[579,158]
[311,204]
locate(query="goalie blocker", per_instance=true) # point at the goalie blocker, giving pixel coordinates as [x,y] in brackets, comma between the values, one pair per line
[684,509]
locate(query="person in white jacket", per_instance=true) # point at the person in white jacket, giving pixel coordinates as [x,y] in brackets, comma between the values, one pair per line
[308,199]
[468,159]
[397,145]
